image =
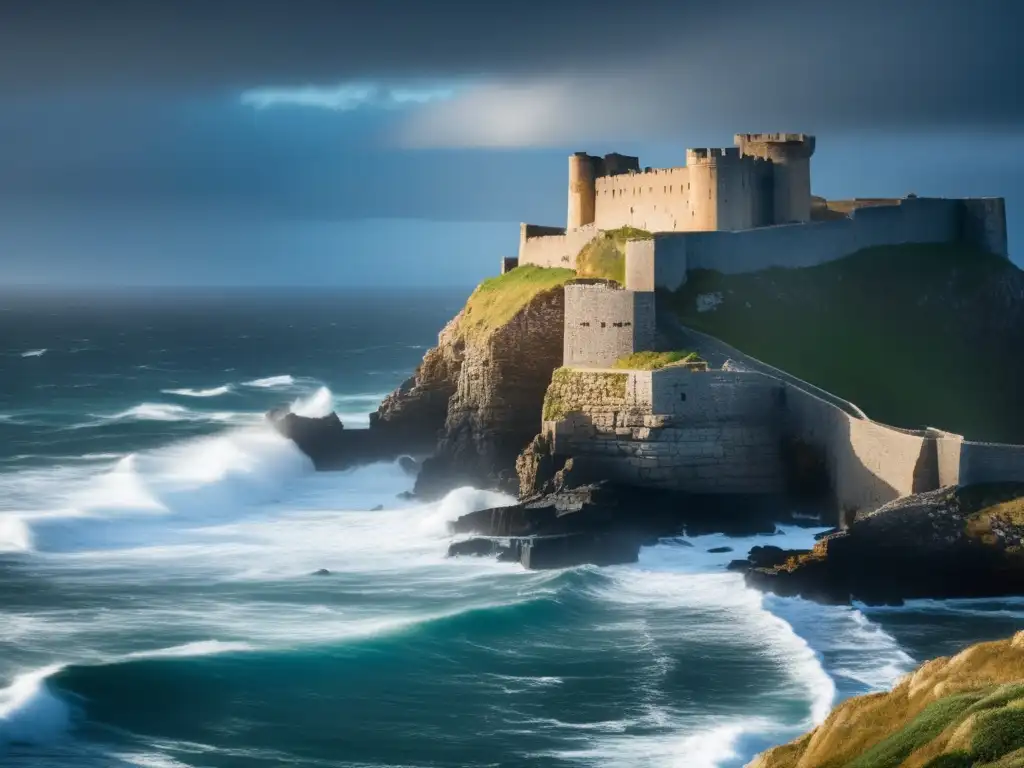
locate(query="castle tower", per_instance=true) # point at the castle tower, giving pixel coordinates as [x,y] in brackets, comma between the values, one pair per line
[790,154]
[582,194]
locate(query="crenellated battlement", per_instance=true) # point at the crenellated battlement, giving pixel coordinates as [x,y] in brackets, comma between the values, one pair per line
[713,155]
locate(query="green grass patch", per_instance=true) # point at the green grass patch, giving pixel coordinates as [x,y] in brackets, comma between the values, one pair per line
[997,734]
[951,760]
[908,333]
[568,385]
[894,749]
[652,361]
[498,299]
[605,255]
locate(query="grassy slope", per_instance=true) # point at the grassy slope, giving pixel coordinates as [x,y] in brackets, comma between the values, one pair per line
[887,328]
[653,361]
[950,713]
[498,299]
[605,255]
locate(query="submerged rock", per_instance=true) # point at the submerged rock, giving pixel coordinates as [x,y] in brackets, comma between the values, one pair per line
[948,543]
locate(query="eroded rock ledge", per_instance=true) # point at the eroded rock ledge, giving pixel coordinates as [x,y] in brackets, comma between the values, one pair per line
[603,524]
[948,543]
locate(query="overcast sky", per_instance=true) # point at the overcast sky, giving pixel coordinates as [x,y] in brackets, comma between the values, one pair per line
[312,142]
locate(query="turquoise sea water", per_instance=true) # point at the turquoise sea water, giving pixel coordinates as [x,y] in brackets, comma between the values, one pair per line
[157,542]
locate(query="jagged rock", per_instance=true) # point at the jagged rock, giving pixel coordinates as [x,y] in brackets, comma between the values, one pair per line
[328,444]
[475,547]
[417,410]
[598,523]
[535,467]
[499,389]
[948,543]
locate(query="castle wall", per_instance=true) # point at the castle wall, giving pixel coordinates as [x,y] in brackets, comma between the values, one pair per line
[984,224]
[915,220]
[868,463]
[990,463]
[655,200]
[556,250]
[604,324]
[723,437]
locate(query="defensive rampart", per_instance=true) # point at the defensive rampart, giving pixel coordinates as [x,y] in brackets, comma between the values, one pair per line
[551,246]
[914,220]
[698,432]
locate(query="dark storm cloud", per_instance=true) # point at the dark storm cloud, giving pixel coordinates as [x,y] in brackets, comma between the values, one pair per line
[869,64]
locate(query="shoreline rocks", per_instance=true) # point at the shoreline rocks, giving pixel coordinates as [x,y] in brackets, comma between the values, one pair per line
[331,447]
[948,543]
[601,524]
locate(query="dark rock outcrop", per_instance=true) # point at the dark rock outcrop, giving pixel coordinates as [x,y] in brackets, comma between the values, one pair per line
[329,445]
[416,412]
[948,543]
[598,523]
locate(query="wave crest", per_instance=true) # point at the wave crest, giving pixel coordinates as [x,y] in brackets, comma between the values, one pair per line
[271,381]
[187,392]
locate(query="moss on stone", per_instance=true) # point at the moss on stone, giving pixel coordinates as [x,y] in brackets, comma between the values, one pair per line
[565,393]
[653,361]
[497,300]
[605,256]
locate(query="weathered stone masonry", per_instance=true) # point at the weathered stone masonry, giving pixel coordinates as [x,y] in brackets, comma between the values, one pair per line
[700,432]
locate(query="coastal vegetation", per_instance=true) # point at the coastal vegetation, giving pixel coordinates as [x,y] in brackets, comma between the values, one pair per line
[653,361]
[572,389]
[917,335]
[958,712]
[605,256]
[497,300]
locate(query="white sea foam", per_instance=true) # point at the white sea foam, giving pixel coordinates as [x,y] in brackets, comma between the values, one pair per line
[320,403]
[186,392]
[203,479]
[705,748]
[34,353]
[30,713]
[15,534]
[189,650]
[272,381]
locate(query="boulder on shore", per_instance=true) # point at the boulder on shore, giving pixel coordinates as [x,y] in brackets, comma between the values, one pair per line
[947,543]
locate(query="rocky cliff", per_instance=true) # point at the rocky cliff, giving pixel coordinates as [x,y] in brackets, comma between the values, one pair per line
[477,395]
[948,543]
[952,712]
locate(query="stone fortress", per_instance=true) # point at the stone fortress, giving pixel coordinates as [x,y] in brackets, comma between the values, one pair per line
[743,209]
[732,428]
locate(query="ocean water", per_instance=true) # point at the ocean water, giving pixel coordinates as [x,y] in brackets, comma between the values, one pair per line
[157,546]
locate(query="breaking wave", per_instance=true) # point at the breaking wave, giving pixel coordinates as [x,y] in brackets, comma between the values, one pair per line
[34,353]
[271,381]
[186,392]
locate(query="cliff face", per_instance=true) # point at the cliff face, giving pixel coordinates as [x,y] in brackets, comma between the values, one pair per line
[416,411]
[495,409]
[952,712]
[476,398]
